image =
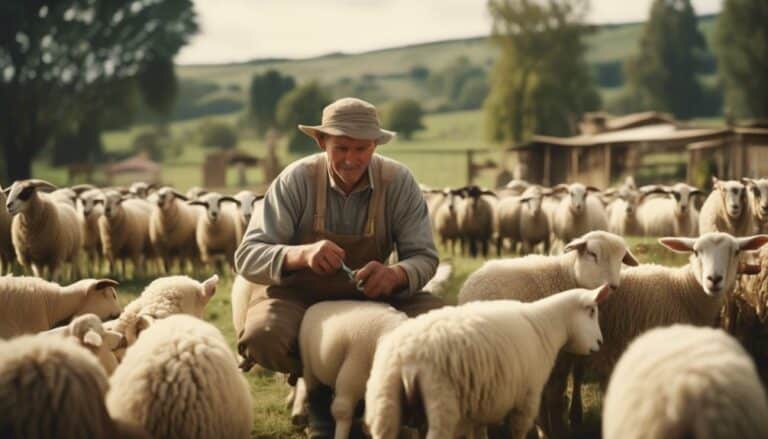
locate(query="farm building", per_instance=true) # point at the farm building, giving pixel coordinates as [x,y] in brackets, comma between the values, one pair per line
[136,168]
[610,148]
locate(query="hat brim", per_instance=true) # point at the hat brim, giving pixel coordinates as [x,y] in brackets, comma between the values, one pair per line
[381,136]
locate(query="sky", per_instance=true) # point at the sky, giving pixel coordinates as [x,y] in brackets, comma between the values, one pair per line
[241,30]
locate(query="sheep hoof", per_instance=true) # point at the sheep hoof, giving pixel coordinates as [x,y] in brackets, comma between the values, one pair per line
[300,420]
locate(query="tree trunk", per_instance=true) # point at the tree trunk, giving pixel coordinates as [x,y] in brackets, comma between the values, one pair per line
[18,163]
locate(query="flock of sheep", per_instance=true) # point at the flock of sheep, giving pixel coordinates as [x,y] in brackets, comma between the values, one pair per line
[496,365]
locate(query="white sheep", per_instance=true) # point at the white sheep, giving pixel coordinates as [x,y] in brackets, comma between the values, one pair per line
[7,253]
[337,340]
[51,387]
[684,381]
[180,379]
[141,189]
[88,331]
[475,219]
[250,202]
[507,223]
[161,298]
[195,192]
[759,201]
[216,232]
[673,215]
[578,212]
[726,209]
[124,231]
[45,234]
[534,225]
[32,304]
[445,221]
[65,196]
[90,210]
[478,364]
[661,296]
[622,213]
[172,228]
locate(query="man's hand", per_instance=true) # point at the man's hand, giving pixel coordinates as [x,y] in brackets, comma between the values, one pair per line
[381,280]
[322,257]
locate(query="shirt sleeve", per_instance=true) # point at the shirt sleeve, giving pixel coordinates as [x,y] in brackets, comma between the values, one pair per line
[259,258]
[412,232]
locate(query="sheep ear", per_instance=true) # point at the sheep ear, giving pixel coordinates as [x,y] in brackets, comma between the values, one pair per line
[715,183]
[560,188]
[630,259]
[593,189]
[92,338]
[680,245]
[232,199]
[747,181]
[752,242]
[491,193]
[526,199]
[197,203]
[601,293]
[209,286]
[113,339]
[749,269]
[180,196]
[577,244]
[104,283]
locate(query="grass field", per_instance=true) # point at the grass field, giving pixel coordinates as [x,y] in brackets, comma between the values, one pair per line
[272,419]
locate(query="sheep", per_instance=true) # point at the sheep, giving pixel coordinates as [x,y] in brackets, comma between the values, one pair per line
[90,210]
[759,202]
[161,298]
[438,285]
[622,213]
[475,364]
[141,189]
[577,213]
[534,226]
[684,381]
[673,215]
[32,305]
[475,219]
[180,379]
[216,230]
[54,388]
[172,227]
[726,209]
[337,340]
[249,202]
[45,234]
[7,253]
[507,222]
[661,296]
[195,192]
[65,196]
[124,230]
[88,331]
[445,221]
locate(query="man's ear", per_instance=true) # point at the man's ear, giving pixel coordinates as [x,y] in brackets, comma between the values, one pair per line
[321,140]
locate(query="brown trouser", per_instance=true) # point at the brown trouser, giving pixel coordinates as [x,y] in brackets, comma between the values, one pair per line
[271,332]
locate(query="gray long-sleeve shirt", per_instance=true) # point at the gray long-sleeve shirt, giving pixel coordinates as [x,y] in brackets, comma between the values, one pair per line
[289,207]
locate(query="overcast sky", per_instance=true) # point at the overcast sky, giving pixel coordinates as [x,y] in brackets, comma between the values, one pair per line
[239,30]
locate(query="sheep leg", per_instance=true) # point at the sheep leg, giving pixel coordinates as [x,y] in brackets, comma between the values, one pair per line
[551,416]
[575,414]
[499,246]
[349,390]
[299,403]
[441,406]
[36,271]
[520,420]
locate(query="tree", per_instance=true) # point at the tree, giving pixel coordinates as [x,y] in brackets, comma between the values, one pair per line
[266,91]
[541,81]
[303,105]
[214,134]
[742,53]
[404,117]
[663,75]
[57,58]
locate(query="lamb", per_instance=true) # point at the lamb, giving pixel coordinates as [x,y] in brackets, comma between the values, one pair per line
[726,209]
[622,213]
[684,381]
[124,230]
[475,219]
[180,379]
[249,202]
[45,234]
[446,218]
[63,388]
[577,213]
[89,333]
[475,364]
[673,215]
[507,223]
[90,210]
[759,202]
[161,298]
[534,226]
[216,231]
[7,253]
[32,304]
[337,340]
[65,196]
[661,296]
[172,227]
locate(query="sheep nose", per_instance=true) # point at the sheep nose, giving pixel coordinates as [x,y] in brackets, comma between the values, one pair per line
[600,342]
[715,279]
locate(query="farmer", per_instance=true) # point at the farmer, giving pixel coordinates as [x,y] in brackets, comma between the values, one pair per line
[344,205]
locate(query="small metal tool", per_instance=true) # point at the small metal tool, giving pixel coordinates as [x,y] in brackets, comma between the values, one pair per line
[351,275]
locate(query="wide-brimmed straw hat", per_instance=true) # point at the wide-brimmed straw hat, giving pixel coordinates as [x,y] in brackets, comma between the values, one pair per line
[350,117]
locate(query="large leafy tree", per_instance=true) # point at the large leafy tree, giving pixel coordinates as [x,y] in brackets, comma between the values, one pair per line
[266,91]
[302,105]
[663,76]
[59,60]
[541,81]
[742,53]
[404,117]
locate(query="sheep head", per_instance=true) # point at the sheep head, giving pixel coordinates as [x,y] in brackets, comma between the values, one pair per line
[734,196]
[599,256]
[759,189]
[166,195]
[21,193]
[212,204]
[584,335]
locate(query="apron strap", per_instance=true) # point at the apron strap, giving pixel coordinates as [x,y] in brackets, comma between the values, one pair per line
[321,186]
[375,169]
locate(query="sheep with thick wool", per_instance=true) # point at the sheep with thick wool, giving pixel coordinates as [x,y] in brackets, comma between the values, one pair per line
[685,381]
[478,364]
[172,226]
[475,219]
[162,298]
[622,213]
[758,197]
[90,210]
[51,387]
[534,225]
[31,304]
[727,209]
[673,213]
[446,218]
[45,234]
[507,222]
[662,296]
[337,340]
[181,379]
[250,203]
[88,331]
[124,230]
[216,229]
[579,212]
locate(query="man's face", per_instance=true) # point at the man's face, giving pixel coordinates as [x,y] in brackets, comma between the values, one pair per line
[349,157]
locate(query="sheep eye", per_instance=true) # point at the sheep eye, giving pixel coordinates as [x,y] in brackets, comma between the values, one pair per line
[676,195]
[591,312]
[696,253]
[592,254]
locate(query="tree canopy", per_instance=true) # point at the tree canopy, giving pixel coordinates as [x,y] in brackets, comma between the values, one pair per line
[404,117]
[266,90]
[302,105]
